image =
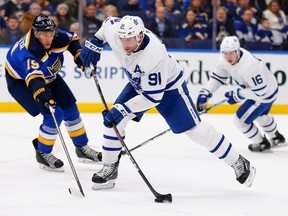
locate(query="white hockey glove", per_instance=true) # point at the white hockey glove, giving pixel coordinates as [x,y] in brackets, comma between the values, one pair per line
[202,99]
[115,114]
[234,96]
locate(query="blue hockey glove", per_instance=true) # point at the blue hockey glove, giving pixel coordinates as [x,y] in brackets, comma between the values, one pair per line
[45,99]
[91,51]
[234,96]
[115,114]
[202,99]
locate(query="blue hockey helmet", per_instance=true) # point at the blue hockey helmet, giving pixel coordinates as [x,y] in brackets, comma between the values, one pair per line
[43,23]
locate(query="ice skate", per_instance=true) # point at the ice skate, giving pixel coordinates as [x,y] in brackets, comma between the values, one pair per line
[245,173]
[47,161]
[105,178]
[86,154]
[278,141]
[260,147]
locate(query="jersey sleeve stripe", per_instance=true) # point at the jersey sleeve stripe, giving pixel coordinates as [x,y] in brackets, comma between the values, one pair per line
[215,78]
[259,89]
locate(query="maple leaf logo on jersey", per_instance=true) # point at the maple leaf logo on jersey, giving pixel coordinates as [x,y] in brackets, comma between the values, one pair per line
[135,81]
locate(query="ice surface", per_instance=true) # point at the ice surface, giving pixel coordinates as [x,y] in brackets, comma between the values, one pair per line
[199,182]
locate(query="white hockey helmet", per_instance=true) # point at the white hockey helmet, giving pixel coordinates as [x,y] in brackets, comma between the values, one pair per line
[230,44]
[130,26]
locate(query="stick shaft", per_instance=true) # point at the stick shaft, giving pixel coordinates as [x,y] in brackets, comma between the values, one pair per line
[167,130]
[66,151]
[155,193]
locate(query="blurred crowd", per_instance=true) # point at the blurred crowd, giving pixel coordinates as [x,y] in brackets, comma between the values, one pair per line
[262,23]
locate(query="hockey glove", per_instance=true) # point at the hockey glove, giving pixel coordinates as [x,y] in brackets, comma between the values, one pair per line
[45,99]
[91,51]
[202,99]
[78,61]
[234,96]
[115,114]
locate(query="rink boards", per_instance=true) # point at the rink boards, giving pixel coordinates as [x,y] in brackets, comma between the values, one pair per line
[196,64]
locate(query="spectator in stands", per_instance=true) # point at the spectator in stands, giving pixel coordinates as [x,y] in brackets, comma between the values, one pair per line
[133,8]
[12,33]
[247,4]
[12,6]
[131,5]
[231,6]
[90,22]
[210,6]
[157,3]
[192,28]
[73,6]
[100,12]
[55,3]
[160,25]
[46,7]
[285,37]
[2,23]
[111,10]
[200,11]
[63,17]
[245,29]
[29,16]
[264,33]
[74,27]
[224,26]
[173,12]
[277,20]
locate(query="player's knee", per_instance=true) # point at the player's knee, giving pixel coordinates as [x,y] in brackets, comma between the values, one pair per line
[203,134]
[238,122]
[262,120]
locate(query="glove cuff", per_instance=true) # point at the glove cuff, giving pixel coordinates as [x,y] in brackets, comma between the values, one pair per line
[206,92]
[122,108]
[90,45]
[239,94]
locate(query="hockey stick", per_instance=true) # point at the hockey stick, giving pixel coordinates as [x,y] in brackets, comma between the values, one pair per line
[159,197]
[72,191]
[167,130]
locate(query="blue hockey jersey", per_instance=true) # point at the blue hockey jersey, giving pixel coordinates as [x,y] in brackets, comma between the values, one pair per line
[28,60]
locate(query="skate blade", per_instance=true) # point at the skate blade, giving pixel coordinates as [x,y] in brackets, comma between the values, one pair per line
[103,186]
[60,169]
[280,145]
[250,179]
[88,161]
[267,150]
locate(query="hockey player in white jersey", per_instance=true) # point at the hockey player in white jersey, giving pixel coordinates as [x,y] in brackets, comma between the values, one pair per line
[258,89]
[155,80]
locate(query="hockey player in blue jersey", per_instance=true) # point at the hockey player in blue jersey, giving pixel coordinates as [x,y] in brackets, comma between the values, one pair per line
[155,80]
[32,67]
[258,88]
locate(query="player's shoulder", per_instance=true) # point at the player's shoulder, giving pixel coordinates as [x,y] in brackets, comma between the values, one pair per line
[62,38]
[154,44]
[111,21]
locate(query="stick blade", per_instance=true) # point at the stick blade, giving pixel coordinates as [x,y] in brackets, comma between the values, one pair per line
[75,192]
[163,198]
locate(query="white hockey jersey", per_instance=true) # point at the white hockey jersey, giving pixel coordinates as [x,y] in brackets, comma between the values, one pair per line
[251,74]
[151,71]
